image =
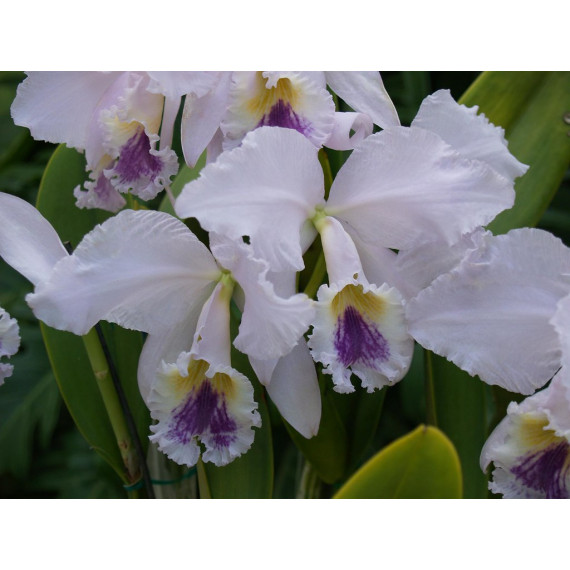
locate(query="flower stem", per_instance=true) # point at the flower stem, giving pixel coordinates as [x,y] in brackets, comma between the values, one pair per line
[431,414]
[115,403]
[317,276]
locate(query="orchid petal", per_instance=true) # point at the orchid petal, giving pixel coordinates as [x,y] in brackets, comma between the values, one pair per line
[202,116]
[28,242]
[472,135]
[266,189]
[294,389]
[364,91]
[287,99]
[58,106]
[344,123]
[175,84]
[404,186]
[490,315]
[139,269]
[271,325]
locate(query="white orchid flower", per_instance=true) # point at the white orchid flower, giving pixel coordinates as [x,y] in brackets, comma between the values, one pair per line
[241,101]
[115,118]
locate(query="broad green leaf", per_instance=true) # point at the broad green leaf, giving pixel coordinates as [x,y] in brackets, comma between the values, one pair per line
[29,404]
[66,351]
[420,465]
[461,411]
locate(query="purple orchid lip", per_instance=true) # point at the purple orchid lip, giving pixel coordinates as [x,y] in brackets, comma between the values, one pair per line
[357,340]
[204,411]
[135,160]
[282,114]
[545,470]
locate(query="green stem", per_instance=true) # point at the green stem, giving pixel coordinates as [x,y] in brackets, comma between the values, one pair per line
[317,276]
[112,404]
[431,413]
[310,485]
[327,172]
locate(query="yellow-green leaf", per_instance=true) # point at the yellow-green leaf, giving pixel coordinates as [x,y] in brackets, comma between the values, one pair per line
[421,465]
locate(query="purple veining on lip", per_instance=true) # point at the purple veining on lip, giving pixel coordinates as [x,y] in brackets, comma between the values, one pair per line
[545,471]
[283,115]
[203,411]
[136,161]
[358,341]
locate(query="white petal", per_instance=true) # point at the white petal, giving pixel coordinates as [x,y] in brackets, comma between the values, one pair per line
[288,99]
[266,189]
[140,269]
[28,242]
[341,138]
[416,268]
[561,323]
[178,83]
[294,389]
[9,334]
[365,92]
[490,315]
[57,106]
[5,372]
[405,186]
[202,116]
[470,134]
[271,325]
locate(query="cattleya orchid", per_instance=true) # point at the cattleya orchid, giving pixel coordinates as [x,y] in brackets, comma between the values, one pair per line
[185,375]
[241,101]
[115,118]
[399,189]
[9,342]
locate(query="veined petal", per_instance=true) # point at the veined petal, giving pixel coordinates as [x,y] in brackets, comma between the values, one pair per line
[202,116]
[58,106]
[288,99]
[360,329]
[140,269]
[294,389]
[265,189]
[561,323]
[405,186]
[28,242]
[490,315]
[472,135]
[271,325]
[359,124]
[195,401]
[530,460]
[364,91]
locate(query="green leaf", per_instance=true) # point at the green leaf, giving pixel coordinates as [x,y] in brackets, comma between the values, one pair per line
[420,465]
[530,106]
[29,405]
[66,352]
[461,409]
